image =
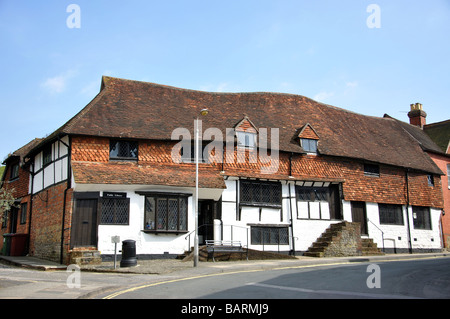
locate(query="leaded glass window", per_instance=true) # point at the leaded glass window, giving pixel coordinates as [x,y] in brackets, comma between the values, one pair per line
[115,211]
[421,217]
[262,235]
[390,214]
[260,193]
[123,149]
[165,213]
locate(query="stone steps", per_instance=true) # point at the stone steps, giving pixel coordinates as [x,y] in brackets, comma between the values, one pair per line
[342,239]
[85,257]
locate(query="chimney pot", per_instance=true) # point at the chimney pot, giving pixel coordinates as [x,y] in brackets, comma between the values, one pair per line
[417,115]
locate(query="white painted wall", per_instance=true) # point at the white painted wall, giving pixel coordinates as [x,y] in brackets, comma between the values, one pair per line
[306,231]
[396,236]
[146,243]
[53,173]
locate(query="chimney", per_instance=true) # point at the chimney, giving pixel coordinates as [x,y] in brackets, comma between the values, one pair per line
[417,115]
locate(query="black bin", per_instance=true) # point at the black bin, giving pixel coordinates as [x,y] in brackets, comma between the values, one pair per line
[128,253]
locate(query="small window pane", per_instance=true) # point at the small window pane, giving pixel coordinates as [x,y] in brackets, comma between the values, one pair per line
[269,235]
[165,213]
[246,139]
[123,149]
[309,145]
[256,192]
[14,171]
[23,213]
[115,211]
[421,217]
[390,214]
[150,209]
[371,170]
[47,155]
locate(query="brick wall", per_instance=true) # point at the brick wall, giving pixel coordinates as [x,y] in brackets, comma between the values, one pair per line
[20,186]
[90,149]
[47,215]
[442,162]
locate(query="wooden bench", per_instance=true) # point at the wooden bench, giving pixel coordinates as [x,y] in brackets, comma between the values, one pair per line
[223,246]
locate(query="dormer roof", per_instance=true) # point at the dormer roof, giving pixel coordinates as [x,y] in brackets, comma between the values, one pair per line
[245,125]
[307,131]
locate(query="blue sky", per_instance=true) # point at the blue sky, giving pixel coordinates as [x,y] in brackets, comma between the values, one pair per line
[321,49]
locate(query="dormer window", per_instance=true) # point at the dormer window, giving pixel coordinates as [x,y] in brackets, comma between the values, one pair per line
[246,139]
[309,145]
[308,139]
[246,133]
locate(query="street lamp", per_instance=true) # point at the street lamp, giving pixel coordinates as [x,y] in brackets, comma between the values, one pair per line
[203,112]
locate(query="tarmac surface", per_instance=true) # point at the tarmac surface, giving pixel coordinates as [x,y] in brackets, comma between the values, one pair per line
[159,270]
[166,266]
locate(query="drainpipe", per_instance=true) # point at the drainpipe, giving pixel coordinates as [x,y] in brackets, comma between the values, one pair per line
[69,177]
[31,205]
[292,221]
[407,211]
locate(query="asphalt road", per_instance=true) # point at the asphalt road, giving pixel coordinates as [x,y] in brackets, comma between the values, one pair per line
[389,280]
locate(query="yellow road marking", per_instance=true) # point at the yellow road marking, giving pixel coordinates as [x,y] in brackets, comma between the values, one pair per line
[256,270]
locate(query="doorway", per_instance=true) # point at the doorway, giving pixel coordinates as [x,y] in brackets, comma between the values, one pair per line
[205,220]
[359,215]
[13,220]
[84,223]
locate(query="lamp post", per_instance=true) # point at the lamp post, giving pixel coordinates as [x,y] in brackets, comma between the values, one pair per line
[196,144]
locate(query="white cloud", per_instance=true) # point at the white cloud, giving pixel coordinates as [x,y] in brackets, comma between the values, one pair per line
[323,96]
[351,84]
[57,84]
[221,87]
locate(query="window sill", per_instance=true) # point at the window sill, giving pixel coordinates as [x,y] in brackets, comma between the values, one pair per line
[263,205]
[124,159]
[170,232]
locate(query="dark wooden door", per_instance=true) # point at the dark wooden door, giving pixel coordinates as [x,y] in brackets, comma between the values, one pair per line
[84,223]
[13,220]
[205,220]
[359,215]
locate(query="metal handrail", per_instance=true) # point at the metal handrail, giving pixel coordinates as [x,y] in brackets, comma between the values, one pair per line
[382,232]
[189,235]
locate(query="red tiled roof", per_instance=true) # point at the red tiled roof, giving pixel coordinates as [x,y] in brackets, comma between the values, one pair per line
[131,173]
[141,110]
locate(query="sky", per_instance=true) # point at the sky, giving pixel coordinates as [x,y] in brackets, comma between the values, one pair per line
[372,57]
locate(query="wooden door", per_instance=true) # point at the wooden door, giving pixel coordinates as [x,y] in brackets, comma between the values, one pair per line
[359,216]
[205,220]
[84,223]
[13,220]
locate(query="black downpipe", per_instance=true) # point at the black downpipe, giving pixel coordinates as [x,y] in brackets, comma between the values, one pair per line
[407,211]
[292,220]
[69,178]
[31,206]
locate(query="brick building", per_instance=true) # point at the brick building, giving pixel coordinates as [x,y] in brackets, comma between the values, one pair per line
[439,133]
[276,171]
[16,222]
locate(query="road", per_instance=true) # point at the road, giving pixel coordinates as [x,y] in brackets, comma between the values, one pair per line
[417,278]
[389,280]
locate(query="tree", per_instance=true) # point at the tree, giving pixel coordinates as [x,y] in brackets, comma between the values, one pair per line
[6,201]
